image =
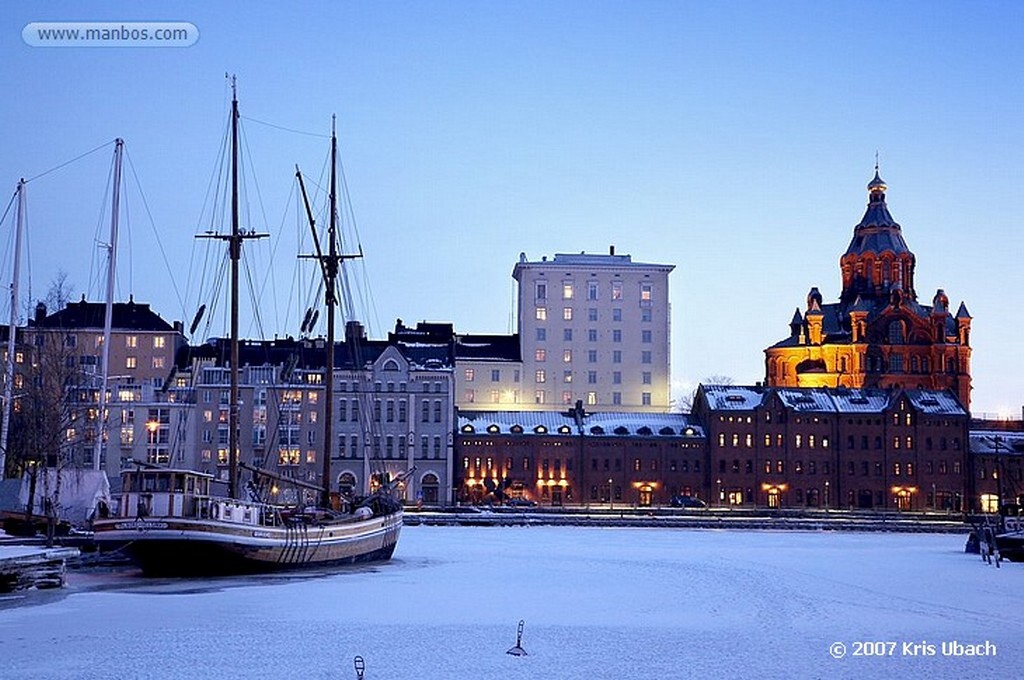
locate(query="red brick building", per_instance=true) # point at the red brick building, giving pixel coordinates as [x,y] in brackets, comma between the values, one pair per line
[840,448]
[568,458]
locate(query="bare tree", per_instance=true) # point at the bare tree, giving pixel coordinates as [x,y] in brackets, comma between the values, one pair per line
[685,402]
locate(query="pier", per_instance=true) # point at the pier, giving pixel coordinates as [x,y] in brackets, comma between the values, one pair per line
[23,567]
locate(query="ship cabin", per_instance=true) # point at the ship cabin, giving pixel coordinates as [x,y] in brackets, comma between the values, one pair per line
[185,494]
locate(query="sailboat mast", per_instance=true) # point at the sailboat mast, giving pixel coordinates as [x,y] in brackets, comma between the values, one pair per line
[331,301]
[108,314]
[235,254]
[12,329]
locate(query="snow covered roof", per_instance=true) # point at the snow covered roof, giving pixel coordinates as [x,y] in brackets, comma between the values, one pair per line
[830,399]
[996,442]
[594,424]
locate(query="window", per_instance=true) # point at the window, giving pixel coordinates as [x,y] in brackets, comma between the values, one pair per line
[616,335]
[567,334]
[645,336]
[616,398]
[591,356]
[495,375]
[645,356]
[616,290]
[131,362]
[131,341]
[592,335]
[159,342]
[591,377]
[470,396]
[592,314]
[542,334]
[617,314]
[437,411]
[645,398]
[540,376]
[538,397]
[592,288]
[645,294]
[616,377]
[567,313]
[567,376]
[470,374]
[617,357]
[540,354]
[567,290]
[645,314]
[542,290]
[541,313]
[591,398]
[646,378]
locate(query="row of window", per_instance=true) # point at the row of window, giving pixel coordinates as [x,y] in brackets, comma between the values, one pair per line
[646,336]
[541,354]
[646,290]
[130,341]
[568,397]
[540,313]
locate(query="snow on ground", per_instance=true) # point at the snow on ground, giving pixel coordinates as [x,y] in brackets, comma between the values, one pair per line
[598,604]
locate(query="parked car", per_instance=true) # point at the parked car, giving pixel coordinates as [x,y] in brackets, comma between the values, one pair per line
[687,502]
[520,503]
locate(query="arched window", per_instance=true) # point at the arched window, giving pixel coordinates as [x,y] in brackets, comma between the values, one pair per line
[896,334]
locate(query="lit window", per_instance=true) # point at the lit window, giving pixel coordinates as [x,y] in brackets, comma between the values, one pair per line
[540,376]
[645,292]
[538,397]
[567,376]
[131,362]
[616,290]
[567,313]
[470,396]
[567,290]
[470,374]
[131,341]
[542,313]
[566,397]
[540,354]
[159,342]
[591,398]
[158,362]
[567,356]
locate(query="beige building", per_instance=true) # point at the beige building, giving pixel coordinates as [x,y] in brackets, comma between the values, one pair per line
[593,328]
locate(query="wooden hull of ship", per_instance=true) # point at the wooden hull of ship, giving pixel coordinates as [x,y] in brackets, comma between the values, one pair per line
[194,547]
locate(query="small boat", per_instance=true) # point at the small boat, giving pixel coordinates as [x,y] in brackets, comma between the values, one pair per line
[169,522]
[1009,535]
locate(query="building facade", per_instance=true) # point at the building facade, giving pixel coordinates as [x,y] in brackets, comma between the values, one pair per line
[62,382]
[557,458]
[593,328]
[393,411]
[878,334]
[836,447]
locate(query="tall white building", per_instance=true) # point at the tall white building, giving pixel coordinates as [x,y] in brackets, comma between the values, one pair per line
[593,328]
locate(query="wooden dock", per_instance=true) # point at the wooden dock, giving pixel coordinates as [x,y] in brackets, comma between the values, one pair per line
[23,567]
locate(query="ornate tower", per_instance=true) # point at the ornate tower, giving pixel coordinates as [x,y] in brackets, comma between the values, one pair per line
[877,335]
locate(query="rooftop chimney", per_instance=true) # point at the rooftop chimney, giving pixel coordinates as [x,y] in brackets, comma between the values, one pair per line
[611,250]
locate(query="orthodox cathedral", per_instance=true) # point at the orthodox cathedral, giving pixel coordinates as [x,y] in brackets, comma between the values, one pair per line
[877,335]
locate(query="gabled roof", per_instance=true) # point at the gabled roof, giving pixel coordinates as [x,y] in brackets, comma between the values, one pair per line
[993,442]
[831,399]
[127,316]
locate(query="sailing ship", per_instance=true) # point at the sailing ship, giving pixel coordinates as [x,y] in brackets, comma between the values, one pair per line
[172,524]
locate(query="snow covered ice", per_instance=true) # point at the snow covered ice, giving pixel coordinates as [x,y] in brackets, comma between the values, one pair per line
[598,603]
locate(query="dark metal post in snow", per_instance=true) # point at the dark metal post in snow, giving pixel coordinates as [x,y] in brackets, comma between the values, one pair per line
[360,667]
[518,649]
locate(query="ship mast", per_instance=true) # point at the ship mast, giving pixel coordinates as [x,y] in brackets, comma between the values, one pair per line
[234,239]
[12,329]
[108,313]
[329,267]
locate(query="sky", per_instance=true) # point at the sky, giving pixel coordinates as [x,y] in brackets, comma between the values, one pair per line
[733,140]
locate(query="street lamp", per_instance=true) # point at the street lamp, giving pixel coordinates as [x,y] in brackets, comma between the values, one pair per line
[826,495]
[720,497]
[611,498]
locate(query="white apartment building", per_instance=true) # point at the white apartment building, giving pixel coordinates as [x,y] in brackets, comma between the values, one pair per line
[593,328]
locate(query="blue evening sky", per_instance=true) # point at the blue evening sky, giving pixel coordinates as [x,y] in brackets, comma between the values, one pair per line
[731,139]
